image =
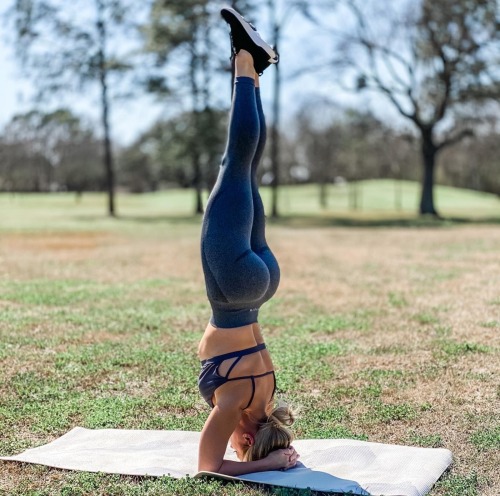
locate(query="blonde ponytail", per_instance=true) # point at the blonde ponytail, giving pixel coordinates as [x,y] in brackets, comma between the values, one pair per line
[273,434]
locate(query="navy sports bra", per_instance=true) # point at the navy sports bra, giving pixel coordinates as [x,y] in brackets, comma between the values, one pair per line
[210,379]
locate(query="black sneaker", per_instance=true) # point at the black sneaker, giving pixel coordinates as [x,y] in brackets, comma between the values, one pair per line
[245,36]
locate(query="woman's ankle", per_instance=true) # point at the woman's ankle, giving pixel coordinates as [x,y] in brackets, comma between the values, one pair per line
[243,63]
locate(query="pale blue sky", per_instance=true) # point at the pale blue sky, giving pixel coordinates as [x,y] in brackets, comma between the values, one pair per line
[130,117]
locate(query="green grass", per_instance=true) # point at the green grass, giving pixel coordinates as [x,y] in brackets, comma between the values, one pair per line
[96,332]
[297,204]
[397,300]
[378,196]
[459,485]
[492,324]
[84,484]
[454,349]
[58,293]
[426,318]
[425,441]
[329,324]
[488,439]
[387,412]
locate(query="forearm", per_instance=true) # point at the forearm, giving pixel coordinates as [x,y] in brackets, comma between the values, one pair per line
[230,467]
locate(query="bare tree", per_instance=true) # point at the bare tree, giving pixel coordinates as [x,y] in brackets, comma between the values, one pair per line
[280,13]
[318,142]
[335,144]
[66,46]
[475,164]
[427,58]
[162,155]
[183,29]
[49,151]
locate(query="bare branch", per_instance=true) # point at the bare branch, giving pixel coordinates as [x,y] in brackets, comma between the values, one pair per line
[455,139]
[444,76]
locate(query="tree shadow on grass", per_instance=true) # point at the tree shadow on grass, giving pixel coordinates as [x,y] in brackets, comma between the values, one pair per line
[305,221]
[145,219]
[314,221]
[159,219]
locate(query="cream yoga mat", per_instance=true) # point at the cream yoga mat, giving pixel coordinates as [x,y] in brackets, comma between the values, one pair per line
[329,465]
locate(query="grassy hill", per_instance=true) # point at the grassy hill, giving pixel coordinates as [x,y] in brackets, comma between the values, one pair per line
[377,202]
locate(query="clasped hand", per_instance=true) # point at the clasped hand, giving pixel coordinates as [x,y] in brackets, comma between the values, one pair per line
[283,459]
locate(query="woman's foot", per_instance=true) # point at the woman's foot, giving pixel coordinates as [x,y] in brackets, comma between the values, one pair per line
[245,36]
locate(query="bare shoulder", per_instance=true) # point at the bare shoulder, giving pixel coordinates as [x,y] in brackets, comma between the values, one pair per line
[215,435]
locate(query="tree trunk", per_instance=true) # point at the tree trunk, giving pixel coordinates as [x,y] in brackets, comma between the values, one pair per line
[395,168]
[323,201]
[398,194]
[353,195]
[196,163]
[321,156]
[275,144]
[197,135]
[108,154]
[195,157]
[429,153]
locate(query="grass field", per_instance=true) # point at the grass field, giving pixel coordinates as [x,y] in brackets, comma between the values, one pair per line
[385,328]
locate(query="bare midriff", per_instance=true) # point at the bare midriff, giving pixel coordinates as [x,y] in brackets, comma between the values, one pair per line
[218,341]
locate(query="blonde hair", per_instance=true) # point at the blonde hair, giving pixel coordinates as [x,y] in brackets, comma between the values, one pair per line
[273,434]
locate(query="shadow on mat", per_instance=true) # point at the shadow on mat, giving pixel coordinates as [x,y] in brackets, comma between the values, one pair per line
[288,483]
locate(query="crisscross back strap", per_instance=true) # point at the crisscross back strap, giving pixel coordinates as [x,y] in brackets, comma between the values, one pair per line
[235,354]
[232,366]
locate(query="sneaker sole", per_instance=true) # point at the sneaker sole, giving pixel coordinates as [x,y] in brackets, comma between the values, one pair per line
[257,40]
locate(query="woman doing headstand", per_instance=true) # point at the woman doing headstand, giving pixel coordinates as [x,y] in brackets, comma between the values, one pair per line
[241,273]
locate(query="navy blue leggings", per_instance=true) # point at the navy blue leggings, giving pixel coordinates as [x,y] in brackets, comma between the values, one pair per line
[241,272]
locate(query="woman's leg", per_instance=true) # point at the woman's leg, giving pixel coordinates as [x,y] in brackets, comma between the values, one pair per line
[258,238]
[235,276]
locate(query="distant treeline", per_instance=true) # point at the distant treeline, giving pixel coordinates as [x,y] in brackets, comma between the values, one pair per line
[59,151]
[433,63]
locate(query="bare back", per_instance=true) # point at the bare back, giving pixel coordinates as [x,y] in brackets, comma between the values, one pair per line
[216,342]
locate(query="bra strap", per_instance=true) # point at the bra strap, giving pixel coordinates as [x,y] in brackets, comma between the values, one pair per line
[235,354]
[253,392]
